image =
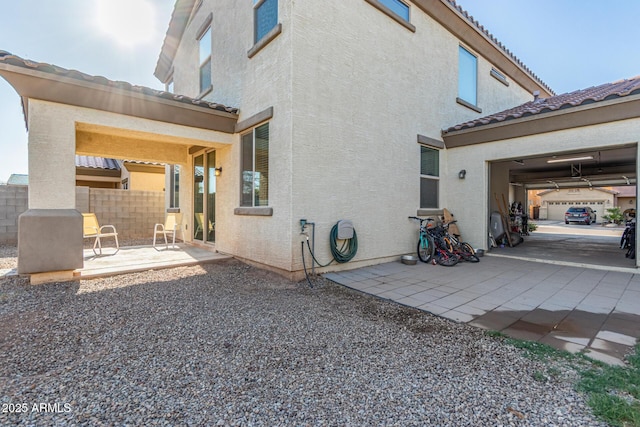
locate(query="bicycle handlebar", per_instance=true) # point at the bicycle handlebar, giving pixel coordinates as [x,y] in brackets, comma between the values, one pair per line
[421,219]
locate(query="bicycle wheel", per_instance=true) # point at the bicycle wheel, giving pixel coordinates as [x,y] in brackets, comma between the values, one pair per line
[624,240]
[447,258]
[446,244]
[425,249]
[468,253]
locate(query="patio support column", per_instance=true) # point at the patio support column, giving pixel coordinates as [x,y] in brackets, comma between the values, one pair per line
[50,232]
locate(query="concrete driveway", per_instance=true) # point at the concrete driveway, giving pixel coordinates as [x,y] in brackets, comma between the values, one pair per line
[573,308]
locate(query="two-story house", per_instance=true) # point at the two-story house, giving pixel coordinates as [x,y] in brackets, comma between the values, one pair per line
[279,110]
[341,110]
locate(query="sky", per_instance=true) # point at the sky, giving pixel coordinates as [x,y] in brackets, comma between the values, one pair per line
[568,44]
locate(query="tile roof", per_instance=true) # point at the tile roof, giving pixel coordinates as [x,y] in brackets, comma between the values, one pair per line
[8,58]
[18,179]
[605,92]
[96,162]
[491,37]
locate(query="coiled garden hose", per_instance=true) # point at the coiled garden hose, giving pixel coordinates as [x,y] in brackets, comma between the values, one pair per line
[345,253]
[348,249]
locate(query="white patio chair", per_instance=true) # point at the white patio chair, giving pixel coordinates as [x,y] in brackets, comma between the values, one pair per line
[171,226]
[93,230]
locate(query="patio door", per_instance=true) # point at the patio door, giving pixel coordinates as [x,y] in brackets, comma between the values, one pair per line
[204,190]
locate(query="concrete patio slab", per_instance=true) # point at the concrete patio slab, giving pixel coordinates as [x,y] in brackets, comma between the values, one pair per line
[142,258]
[570,307]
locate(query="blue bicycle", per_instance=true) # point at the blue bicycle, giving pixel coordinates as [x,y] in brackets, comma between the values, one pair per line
[426,246]
[433,246]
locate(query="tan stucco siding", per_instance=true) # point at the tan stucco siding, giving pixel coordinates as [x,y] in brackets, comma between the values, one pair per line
[361,96]
[254,84]
[52,167]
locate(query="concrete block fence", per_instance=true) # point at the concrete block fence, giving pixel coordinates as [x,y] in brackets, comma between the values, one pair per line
[132,212]
[13,201]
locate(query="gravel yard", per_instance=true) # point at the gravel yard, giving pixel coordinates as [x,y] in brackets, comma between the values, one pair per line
[228,344]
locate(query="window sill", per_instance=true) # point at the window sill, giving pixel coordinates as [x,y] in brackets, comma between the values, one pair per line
[204,93]
[260,211]
[430,212]
[275,31]
[468,105]
[384,9]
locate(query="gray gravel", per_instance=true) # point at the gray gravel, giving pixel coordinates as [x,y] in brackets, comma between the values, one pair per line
[228,344]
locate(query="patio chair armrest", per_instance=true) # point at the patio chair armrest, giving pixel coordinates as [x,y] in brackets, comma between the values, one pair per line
[108,226]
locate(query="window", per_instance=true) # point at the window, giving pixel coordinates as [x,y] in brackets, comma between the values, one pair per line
[398,7]
[169,85]
[205,60]
[429,177]
[265,17]
[467,76]
[499,76]
[255,167]
[174,176]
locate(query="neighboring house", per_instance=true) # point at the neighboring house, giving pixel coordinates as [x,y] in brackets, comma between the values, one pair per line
[337,112]
[100,172]
[97,172]
[18,179]
[554,203]
[625,197]
[138,175]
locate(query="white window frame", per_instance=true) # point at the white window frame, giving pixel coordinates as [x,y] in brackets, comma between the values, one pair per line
[430,177]
[252,132]
[464,76]
[206,32]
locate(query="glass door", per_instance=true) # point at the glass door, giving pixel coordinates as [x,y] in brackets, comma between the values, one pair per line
[198,197]
[211,196]
[204,203]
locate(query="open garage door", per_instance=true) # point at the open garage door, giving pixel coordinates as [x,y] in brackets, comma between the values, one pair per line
[548,185]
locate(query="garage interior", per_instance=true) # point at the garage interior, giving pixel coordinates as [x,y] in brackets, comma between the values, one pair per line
[594,244]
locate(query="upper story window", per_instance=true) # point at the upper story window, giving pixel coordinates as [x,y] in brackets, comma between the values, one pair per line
[398,7]
[265,17]
[467,76]
[169,85]
[429,177]
[255,167]
[204,44]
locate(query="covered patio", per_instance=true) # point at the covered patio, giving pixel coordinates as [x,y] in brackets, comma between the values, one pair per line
[69,113]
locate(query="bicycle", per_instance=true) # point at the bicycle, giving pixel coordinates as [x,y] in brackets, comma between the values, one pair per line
[432,246]
[425,241]
[462,249]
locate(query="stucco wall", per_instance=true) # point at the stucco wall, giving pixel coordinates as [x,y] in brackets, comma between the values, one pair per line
[364,88]
[253,84]
[13,202]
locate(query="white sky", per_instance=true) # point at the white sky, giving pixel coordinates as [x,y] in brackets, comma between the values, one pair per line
[569,44]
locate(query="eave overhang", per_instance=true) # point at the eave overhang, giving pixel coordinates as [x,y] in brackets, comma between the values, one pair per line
[451,19]
[31,83]
[573,117]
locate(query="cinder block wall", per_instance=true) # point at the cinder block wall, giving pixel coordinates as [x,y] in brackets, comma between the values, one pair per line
[132,212]
[13,201]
